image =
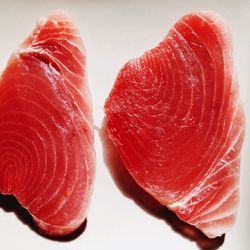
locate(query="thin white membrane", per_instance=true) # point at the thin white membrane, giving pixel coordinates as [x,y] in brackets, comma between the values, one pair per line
[91,151]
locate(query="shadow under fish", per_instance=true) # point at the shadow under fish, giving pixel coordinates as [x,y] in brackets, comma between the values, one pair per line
[10,204]
[132,190]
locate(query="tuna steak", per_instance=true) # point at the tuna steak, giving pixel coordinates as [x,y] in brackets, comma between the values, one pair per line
[46,128]
[175,118]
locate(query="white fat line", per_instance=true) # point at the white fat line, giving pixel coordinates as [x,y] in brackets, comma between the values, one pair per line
[42,52]
[220,216]
[182,203]
[235,141]
[215,206]
[40,43]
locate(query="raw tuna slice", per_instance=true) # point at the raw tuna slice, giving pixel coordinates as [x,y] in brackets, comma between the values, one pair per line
[175,118]
[46,128]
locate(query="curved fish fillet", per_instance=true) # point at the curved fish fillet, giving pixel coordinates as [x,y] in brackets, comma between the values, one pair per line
[175,117]
[46,129]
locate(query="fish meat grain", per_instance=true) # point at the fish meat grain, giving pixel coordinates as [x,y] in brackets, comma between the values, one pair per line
[175,117]
[47,159]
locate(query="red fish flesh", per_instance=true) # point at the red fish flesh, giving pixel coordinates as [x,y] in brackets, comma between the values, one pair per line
[46,129]
[175,117]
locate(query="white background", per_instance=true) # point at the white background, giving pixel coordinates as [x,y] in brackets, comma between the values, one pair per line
[113,32]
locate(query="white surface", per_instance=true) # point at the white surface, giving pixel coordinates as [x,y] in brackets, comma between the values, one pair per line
[113,32]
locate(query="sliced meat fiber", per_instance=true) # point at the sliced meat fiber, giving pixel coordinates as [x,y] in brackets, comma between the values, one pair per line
[175,117]
[47,158]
